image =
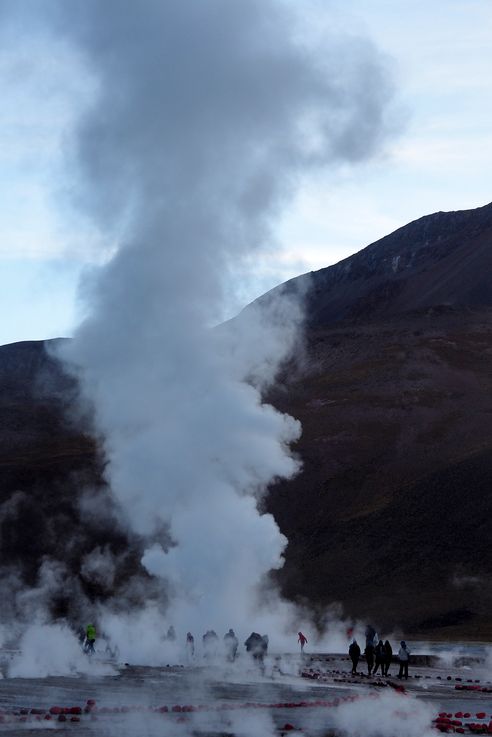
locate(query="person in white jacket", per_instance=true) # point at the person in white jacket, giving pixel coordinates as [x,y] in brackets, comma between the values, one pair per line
[403,658]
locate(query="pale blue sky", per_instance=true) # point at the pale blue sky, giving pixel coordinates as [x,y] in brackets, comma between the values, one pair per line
[441,57]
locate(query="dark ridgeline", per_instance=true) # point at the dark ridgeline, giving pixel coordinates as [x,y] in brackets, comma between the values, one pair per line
[390,515]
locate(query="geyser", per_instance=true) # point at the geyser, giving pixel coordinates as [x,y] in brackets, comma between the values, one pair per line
[206,115]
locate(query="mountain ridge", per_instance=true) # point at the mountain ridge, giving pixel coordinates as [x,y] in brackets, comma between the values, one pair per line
[390,272]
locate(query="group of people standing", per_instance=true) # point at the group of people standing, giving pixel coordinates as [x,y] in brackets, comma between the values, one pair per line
[380,656]
[256,645]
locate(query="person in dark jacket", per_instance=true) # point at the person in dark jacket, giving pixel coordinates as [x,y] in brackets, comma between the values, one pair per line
[354,654]
[379,651]
[369,653]
[254,645]
[388,656]
[257,646]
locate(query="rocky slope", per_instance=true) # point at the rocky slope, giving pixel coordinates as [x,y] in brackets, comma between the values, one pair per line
[390,516]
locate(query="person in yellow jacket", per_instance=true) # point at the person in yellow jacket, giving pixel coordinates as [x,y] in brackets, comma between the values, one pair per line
[90,640]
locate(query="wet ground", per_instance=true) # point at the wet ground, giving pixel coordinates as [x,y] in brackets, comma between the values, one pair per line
[226,699]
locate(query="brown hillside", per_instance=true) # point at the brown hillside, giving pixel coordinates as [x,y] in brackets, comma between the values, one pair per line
[391,514]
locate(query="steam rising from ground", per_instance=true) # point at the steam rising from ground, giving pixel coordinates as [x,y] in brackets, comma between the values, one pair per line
[207,115]
[52,650]
[384,716]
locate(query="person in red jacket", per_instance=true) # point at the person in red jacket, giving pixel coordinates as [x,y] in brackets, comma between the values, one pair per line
[302,640]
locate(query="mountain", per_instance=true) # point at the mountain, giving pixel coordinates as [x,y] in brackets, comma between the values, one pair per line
[390,516]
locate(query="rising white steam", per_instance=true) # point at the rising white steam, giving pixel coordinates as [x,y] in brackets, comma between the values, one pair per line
[52,650]
[387,714]
[207,114]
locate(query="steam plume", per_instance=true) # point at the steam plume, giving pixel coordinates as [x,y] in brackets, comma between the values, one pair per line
[207,114]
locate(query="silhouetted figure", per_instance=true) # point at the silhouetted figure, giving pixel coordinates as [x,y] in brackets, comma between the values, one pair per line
[210,644]
[388,656]
[354,654]
[90,640]
[302,640]
[379,652]
[253,644]
[171,634]
[369,653]
[403,658]
[257,646]
[231,644]
[190,646]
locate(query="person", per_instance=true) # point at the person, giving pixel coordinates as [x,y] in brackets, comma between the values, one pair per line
[257,646]
[210,641]
[253,644]
[302,640]
[354,653]
[190,646]
[369,653]
[90,639]
[403,658]
[388,656]
[171,634]
[379,651]
[231,644]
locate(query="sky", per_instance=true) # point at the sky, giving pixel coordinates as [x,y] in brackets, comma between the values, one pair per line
[439,157]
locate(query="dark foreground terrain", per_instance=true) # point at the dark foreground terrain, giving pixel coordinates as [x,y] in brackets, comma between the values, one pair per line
[390,516]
